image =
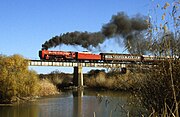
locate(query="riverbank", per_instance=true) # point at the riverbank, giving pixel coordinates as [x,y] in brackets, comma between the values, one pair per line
[46,88]
[18,100]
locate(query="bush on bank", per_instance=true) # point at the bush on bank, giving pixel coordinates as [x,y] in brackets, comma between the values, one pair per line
[59,79]
[15,79]
[47,88]
[18,82]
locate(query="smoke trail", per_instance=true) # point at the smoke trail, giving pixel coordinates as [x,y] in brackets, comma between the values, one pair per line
[84,39]
[128,28]
[119,25]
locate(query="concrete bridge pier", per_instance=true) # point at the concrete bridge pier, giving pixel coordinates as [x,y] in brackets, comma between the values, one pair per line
[78,77]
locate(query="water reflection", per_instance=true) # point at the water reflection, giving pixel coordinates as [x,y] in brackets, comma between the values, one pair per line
[81,103]
[78,103]
[19,111]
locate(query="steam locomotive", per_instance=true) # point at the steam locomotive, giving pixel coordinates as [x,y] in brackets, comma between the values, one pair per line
[49,55]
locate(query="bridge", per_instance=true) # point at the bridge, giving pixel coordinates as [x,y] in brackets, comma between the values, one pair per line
[78,74]
[76,64]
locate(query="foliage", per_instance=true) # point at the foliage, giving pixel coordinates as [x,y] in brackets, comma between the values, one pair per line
[15,78]
[57,78]
[113,80]
[47,88]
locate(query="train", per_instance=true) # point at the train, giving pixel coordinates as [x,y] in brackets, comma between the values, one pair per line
[85,56]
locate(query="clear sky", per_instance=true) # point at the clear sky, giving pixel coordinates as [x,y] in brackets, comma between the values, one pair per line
[26,24]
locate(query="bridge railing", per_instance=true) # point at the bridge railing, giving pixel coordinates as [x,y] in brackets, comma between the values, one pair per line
[75,64]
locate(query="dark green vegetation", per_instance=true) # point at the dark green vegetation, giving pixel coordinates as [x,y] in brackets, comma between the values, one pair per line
[17,82]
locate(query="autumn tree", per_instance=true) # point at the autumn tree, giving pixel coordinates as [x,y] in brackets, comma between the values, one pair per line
[16,80]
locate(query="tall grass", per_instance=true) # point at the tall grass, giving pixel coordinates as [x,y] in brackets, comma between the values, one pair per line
[113,80]
[157,91]
[59,79]
[47,88]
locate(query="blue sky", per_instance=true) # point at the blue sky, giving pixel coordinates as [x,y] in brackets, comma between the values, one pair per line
[26,24]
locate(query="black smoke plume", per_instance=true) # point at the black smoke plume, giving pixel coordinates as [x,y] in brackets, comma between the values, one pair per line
[131,29]
[119,25]
[84,39]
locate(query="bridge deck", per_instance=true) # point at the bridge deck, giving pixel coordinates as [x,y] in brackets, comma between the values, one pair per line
[75,64]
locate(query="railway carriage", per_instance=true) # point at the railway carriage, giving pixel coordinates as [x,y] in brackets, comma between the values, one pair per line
[150,58]
[115,57]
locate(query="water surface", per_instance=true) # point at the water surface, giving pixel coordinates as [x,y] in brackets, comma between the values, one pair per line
[87,103]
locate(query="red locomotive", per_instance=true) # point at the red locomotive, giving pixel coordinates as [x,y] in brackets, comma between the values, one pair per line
[102,57]
[68,56]
[56,55]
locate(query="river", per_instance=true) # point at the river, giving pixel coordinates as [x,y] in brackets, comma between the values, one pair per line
[84,103]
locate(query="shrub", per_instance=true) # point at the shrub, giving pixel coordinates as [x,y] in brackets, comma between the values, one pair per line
[47,88]
[59,79]
[113,80]
[15,79]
